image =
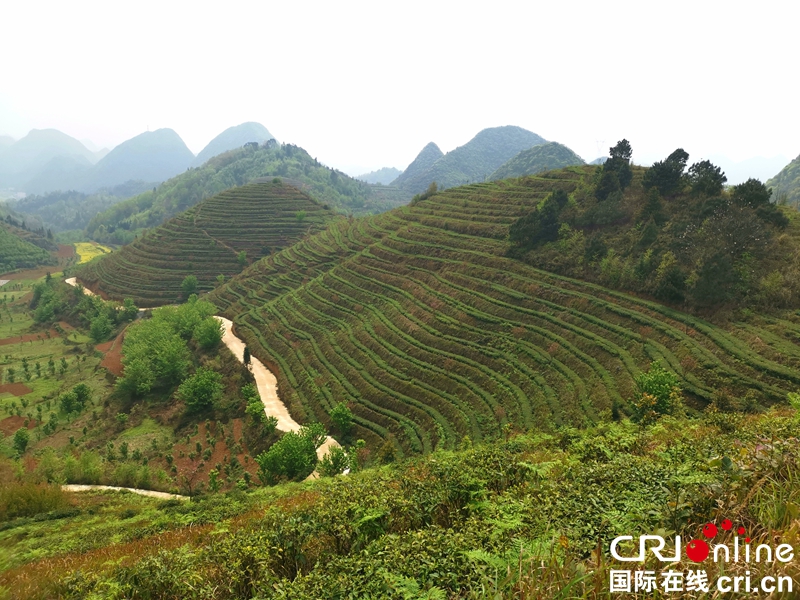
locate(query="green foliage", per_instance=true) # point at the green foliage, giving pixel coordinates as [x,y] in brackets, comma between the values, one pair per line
[292,457]
[19,253]
[335,462]
[541,225]
[342,418]
[189,286]
[201,390]
[786,184]
[30,499]
[21,439]
[666,176]
[100,328]
[659,393]
[706,178]
[208,333]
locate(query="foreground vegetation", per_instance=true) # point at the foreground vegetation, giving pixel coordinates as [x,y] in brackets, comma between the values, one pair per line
[526,516]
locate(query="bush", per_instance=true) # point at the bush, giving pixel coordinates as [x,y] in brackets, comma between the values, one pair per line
[659,393]
[292,457]
[201,390]
[208,333]
[29,499]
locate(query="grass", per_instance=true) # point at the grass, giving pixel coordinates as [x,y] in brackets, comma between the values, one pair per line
[88,251]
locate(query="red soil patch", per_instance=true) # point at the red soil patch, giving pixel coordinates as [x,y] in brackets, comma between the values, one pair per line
[30,337]
[65,251]
[30,273]
[18,389]
[113,358]
[9,425]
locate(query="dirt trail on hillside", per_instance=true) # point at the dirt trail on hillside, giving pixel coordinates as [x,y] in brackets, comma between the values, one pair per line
[74,283]
[267,386]
[149,493]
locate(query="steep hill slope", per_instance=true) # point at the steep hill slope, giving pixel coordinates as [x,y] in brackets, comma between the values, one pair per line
[474,161]
[206,241]
[414,175]
[17,250]
[421,323]
[150,156]
[545,157]
[120,223]
[786,184]
[231,138]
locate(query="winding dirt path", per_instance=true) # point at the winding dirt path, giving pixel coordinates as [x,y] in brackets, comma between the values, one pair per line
[149,493]
[73,281]
[267,386]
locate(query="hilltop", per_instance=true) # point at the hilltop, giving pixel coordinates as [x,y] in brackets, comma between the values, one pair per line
[232,138]
[40,152]
[415,174]
[150,156]
[786,184]
[217,237]
[545,157]
[423,321]
[474,161]
[123,221]
[384,176]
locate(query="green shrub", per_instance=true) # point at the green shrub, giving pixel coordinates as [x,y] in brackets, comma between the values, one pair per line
[29,499]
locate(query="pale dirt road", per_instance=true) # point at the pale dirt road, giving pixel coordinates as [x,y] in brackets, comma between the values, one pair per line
[148,493]
[267,386]
[73,281]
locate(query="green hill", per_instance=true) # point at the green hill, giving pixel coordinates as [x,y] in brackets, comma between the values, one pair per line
[18,252]
[786,184]
[120,223]
[545,157]
[232,138]
[474,161]
[420,320]
[206,241]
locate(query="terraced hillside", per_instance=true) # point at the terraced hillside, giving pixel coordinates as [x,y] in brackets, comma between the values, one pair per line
[419,321]
[16,252]
[207,241]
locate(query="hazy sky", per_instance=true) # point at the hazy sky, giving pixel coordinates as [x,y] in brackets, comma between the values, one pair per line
[362,85]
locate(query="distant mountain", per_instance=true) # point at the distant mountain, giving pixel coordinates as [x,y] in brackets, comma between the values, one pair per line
[786,184]
[415,173]
[26,158]
[150,156]
[384,176]
[545,157]
[757,167]
[291,164]
[233,137]
[60,172]
[5,141]
[474,161]
[599,161]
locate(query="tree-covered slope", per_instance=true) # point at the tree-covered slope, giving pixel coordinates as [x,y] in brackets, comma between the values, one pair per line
[474,161]
[17,252]
[421,322]
[123,221]
[544,157]
[218,236]
[786,184]
[232,138]
[72,210]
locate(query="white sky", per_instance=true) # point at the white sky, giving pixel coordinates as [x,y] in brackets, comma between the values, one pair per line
[362,85]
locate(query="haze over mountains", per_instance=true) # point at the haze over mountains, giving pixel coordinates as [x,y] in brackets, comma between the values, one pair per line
[474,161]
[47,160]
